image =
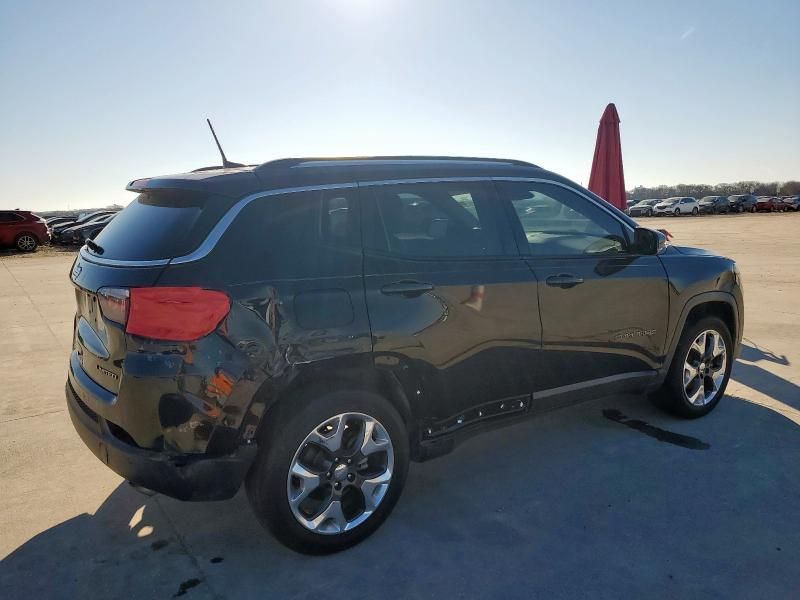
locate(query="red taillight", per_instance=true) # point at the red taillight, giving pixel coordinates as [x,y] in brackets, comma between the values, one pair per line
[179,314]
[114,304]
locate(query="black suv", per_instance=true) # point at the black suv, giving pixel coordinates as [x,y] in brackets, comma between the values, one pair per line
[309,326]
[743,203]
[714,205]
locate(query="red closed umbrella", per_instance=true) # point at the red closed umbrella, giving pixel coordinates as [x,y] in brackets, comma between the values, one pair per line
[607,179]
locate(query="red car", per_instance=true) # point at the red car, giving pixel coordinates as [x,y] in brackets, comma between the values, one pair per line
[767,204]
[22,229]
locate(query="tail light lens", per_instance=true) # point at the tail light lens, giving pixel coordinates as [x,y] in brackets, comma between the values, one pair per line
[179,314]
[114,304]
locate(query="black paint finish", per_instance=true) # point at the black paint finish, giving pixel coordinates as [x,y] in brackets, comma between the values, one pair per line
[315,302]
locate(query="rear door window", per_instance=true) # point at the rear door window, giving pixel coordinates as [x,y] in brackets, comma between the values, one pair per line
[433,220]
[161,224]
[299,235]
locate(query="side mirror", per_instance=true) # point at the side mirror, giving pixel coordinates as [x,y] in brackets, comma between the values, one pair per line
[648,241]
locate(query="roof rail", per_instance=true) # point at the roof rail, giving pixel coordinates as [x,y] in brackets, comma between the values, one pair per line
[283,163]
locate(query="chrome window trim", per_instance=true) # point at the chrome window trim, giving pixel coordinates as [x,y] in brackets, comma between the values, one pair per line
[205,248]
[216,233]
[611,213]
[113,262]
[207,245]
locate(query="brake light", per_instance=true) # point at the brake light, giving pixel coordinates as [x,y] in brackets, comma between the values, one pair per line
[178,314]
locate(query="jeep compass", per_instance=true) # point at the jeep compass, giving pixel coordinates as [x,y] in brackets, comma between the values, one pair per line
[307,327]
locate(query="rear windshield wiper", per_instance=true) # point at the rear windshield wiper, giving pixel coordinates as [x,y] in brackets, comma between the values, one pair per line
[94,247]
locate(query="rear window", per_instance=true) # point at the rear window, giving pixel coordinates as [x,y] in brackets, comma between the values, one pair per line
[161,224]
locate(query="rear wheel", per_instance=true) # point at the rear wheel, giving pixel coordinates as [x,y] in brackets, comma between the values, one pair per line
[700,369]
[26,242]
[330,472]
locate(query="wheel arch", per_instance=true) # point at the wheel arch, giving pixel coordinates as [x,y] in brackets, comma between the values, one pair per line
[716,304]
[319,380]
[30,233]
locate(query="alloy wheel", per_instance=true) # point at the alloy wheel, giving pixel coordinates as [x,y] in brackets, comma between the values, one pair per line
[340,473]
[26,243]
[704,367]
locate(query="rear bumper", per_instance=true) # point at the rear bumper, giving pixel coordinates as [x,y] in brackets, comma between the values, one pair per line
[181,476]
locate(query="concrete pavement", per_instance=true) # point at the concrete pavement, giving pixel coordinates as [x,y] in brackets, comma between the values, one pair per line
[571,504]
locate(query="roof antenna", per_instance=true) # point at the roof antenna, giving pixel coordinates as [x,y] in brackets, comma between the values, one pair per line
[226,164]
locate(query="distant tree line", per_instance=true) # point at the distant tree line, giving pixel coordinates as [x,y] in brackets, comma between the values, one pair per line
[758,188]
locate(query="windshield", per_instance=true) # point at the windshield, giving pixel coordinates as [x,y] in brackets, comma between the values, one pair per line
[161,224]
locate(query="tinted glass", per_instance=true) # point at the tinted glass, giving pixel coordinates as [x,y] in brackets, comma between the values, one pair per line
[558,222]
[294,236]
[435,220]
[161,224]
[9,217]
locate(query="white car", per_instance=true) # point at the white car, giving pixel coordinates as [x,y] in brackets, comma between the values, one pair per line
[680,205]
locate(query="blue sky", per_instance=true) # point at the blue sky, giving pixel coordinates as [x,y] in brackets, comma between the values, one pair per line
[96,94]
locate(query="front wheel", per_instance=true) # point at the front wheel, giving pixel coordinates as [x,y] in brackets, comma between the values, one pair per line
[695,210]
[649,213]
[700,369]
[330,471]
[677,212]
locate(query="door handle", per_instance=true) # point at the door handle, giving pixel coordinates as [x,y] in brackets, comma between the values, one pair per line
[564,281]
[410,289]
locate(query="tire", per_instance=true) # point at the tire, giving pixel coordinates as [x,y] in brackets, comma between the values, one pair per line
[695,210]
[296,426]
[752,210]
[677,212]
[674,396]
[26,242]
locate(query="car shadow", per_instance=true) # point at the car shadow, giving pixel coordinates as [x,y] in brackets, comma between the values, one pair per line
[569,504]
[748,371]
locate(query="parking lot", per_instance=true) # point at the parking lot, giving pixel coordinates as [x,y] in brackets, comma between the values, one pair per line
[571,504]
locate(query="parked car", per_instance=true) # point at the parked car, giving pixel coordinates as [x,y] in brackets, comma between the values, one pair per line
[742,203]
[22,229]
[78,234]
[681,205]
[643,208]
[308,326]
[53,221]
[791,203]
[59,229]
[766,204]
[714,205]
